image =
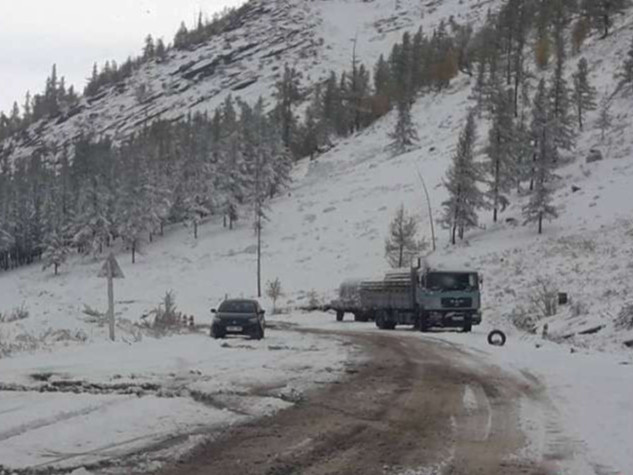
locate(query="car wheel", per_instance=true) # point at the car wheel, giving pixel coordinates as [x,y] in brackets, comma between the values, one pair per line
[216,333]
[258,333]
[339,315]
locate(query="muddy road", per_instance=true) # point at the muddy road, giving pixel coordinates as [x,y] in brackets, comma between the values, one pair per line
[417,406]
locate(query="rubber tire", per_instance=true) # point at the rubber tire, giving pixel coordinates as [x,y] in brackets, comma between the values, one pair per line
[258,334]
[494,333]
[468,325]
[217,336]
[339,315]
[424,323]
[380,321]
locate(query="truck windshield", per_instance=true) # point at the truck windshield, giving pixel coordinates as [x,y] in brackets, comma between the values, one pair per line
[445,281]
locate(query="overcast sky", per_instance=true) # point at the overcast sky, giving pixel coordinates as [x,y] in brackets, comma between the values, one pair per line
[74,34]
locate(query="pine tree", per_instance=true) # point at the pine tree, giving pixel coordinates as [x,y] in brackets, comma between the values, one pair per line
[539,207]
[584,93]
[559,95]
[287,93]
[601,12]
[501,151]
[56,251]
[465,198]
[626,74]
[605,119]
[404,134]
[402,246]
[149,50]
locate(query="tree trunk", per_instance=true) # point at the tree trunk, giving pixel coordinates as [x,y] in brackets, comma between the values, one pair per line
[454,234]
[259,256]
[195,229]
[110,302]
[540,223]
[56,267]
[134,252]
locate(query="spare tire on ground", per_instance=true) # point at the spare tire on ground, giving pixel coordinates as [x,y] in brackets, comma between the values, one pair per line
[496,338]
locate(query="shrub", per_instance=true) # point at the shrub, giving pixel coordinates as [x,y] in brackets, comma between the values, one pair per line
[624,320]
[165,315]
[524,320]
[274,291]
[314,301]
[18,313]
[544,298]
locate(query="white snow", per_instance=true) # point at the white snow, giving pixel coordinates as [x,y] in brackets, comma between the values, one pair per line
[330,226]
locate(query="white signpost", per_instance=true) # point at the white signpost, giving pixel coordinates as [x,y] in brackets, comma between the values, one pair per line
[111,270]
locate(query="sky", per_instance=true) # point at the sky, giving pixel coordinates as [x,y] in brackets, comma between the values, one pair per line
[35,34]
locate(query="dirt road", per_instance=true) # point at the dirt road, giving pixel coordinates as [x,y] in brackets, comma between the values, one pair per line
[416,407]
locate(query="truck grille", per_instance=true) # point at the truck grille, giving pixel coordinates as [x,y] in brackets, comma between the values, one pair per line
[450,302]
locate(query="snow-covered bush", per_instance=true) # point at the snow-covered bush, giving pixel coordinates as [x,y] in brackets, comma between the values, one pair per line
[274,291]
[18,313]
[523,319]
[10,344]
[166,317]
[94,316]
[544,298]
[578,308]
[314,300]
[624,321]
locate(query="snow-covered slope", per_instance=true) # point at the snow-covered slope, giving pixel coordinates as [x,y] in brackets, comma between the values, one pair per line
[331,224]
[315,37]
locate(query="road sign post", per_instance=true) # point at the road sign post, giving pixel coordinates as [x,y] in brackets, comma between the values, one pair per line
[111,270]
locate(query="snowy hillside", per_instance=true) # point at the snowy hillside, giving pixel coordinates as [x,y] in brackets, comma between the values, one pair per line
[330,225]
[313,37]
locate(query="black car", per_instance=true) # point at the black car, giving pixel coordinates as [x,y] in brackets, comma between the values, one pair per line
[238,316]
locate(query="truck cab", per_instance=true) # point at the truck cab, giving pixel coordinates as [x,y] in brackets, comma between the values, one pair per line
[449,298]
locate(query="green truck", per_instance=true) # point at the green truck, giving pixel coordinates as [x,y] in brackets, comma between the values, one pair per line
[423,296]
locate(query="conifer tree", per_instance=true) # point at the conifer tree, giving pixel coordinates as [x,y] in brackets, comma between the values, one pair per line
[605,120]
[287,93]
[584,93]
[559,95]
[465,198]
[404,134]
[626,74]
[501,151]
[539,207]
[56,251]
[601,13]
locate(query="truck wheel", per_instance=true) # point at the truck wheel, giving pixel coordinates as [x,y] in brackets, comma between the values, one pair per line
[339,315]
[468,324]
[360,317]
[380,321]
[423,323]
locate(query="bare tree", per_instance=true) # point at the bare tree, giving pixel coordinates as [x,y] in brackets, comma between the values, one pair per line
[274,291]
[401,245]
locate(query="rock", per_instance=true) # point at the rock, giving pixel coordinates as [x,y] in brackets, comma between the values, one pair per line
[595,155]
[575,188]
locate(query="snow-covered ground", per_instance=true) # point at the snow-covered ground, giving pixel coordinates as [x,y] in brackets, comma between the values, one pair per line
[83,405]
[331,225]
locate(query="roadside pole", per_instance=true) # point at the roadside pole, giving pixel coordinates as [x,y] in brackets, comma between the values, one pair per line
[111,270]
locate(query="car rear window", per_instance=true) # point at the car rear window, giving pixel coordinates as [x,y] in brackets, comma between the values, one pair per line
[233,306]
